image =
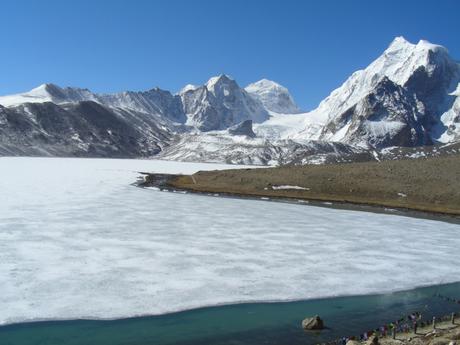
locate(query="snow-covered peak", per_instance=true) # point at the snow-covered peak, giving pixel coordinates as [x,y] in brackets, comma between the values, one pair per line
[44,91]
[222,78]
[188,87]
[402,58]
[398,43]
[400,62]
[221,84]
[425,45]
[48,93]
[224,88]
[273,96]
[43,88]
[401,45]
[264,84]
[39,94]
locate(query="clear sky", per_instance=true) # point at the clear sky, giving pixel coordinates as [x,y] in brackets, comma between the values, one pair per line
[311,47]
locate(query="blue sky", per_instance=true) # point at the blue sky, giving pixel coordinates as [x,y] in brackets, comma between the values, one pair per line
[311,47]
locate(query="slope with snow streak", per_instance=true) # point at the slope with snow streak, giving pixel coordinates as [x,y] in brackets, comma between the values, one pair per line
[230,147]
[48,93]
[78,241]
[449,129]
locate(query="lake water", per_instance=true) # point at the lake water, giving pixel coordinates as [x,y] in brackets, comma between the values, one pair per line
[78,240]
[246,324]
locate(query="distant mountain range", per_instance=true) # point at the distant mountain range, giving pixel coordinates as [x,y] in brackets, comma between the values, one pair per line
[408,98]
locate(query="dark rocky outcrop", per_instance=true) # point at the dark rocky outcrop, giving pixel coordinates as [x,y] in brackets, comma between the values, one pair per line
[243,128]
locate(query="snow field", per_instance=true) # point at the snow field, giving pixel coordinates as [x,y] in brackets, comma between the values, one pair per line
[77,240]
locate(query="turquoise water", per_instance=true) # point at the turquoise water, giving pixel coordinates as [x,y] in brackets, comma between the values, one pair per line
[242,324]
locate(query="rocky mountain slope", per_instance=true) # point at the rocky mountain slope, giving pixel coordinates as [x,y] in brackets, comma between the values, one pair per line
[225,147]
[409,97]
[219,104]
[83,128]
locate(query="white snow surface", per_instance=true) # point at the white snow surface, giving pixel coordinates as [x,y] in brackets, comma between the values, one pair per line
[188,87]
[286,126]
[288,187]
[78,241]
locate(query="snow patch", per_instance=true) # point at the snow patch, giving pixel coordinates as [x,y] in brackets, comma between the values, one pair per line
[289,187]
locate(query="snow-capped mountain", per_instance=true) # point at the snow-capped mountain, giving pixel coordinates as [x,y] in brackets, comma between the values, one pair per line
[154,101]
[409,91]
[219,104]
[408,97]
[50,120]
[273,96]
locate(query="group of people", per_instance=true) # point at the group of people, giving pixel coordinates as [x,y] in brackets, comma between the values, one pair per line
[403,325]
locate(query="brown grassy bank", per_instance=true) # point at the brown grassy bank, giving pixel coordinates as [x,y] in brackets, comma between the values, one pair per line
[431,184]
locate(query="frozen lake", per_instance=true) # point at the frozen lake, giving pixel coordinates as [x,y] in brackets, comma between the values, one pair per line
[77,240]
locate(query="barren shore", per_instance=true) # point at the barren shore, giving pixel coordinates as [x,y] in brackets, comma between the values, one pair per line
[429,184]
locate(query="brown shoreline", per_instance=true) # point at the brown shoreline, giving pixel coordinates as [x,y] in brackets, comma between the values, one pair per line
[427,188]
[428,185]
[326,204]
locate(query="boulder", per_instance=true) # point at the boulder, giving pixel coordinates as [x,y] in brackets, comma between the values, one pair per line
[312,323]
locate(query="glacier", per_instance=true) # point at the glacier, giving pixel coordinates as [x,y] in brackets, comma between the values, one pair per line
[79,240]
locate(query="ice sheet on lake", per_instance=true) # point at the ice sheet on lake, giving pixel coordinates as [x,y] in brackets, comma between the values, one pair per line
[78,241]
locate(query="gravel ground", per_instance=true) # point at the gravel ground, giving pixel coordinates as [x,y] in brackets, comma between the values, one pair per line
[425,184]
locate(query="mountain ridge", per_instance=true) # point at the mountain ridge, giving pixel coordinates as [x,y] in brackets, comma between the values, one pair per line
[408,97]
